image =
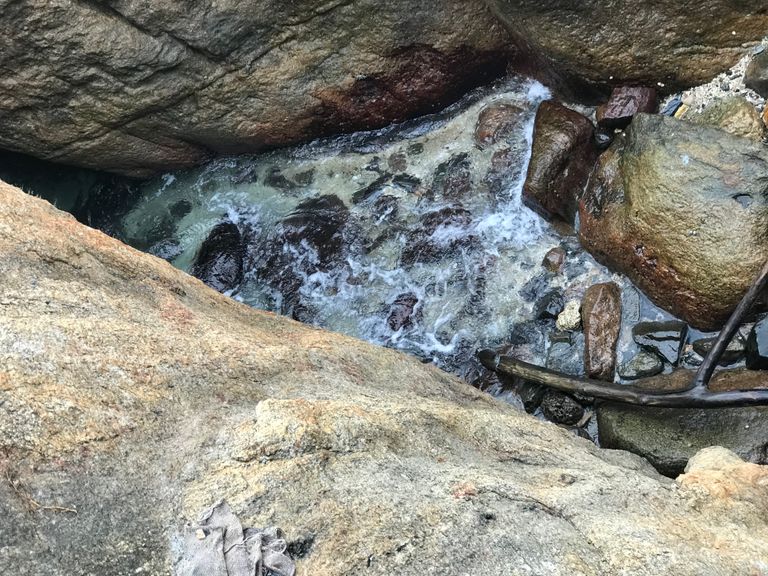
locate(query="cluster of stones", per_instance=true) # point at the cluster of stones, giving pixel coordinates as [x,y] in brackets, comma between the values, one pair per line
[671,202]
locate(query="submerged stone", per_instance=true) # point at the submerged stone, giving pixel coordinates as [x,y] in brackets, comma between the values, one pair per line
[732,354]
[453,179]
[498,122]
[549,306]
[401,314]
[642,365]
[663,338]
[219,262]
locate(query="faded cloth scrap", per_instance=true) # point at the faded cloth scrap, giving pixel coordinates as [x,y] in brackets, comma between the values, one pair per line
[219,546]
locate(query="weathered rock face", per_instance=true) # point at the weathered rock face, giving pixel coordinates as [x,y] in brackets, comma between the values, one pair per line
[137,396]
[626,42]
[137,87]
[680,209]
[562,157]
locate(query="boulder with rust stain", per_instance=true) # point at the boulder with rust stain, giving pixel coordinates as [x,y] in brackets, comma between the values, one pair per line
[680,209]
[144,87]
[562,158]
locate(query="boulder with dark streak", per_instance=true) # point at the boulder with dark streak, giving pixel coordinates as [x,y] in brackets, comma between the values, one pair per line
[562,157]
[681,210]
[219,261]
[225,77]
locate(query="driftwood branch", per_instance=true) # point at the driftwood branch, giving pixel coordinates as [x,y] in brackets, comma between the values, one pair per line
[697,395]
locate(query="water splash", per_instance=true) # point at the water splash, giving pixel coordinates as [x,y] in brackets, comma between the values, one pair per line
[436,244]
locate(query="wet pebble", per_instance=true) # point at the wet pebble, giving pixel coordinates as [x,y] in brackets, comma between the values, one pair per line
[554,259]
[642,365]
[549,306]
[561,408]
[732,354]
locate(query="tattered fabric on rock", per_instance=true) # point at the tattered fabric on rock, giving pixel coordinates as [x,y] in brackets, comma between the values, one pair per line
[219,546]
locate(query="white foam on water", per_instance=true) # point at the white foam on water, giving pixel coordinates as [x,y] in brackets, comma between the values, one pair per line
[467,294]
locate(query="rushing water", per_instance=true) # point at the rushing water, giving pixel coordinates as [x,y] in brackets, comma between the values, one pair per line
[436,254]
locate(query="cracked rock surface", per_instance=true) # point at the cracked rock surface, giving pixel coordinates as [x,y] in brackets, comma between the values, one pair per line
[132,397]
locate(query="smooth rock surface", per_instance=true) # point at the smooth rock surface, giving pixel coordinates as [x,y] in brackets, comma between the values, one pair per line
[144,87]
[562,157]
[137,396]
[601,317]
[680,209]
[624,42]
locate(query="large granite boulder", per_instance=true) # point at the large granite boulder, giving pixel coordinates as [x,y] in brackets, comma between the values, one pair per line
[616,42]
[132,397]
[681,209]
[140,87]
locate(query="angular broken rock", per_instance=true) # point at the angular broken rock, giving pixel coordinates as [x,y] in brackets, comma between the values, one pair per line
[562,158]
[624,103]
[601,317]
